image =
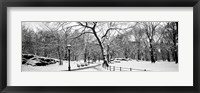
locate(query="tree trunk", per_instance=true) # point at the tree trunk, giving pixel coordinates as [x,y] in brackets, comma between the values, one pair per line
[156,57]
[108,54]
[175,35]
[138,54]
[146,56]
[85,55]
[105,63]
[176,57]
[45,51]
[168,56]
[152,54]
[85,49]
[59,55]
[99,57]
[162,55]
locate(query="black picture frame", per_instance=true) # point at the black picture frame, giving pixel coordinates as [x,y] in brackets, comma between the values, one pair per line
[98,3]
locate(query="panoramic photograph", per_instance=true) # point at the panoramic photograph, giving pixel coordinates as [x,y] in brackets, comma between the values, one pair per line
[101,46]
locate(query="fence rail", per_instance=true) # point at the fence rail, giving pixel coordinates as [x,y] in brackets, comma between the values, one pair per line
[115,68]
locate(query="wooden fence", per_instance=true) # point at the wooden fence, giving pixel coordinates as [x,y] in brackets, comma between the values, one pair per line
[114,68]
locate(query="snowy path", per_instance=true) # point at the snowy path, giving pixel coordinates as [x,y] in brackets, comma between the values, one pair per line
[85,68]
[95,68]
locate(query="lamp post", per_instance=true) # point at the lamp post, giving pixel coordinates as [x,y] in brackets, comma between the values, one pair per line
[69,47]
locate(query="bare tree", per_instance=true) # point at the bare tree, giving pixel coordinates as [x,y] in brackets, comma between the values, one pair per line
[150,31]
[172,35]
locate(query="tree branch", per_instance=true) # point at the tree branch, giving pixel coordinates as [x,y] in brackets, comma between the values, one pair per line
[82,34]
[85,25]
[106,32]
[95,23]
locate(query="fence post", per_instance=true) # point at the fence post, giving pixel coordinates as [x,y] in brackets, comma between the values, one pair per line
[120,68]
[110,68]
[130,69]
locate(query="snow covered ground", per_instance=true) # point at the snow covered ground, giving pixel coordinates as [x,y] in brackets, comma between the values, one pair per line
[162,66]
[56,67]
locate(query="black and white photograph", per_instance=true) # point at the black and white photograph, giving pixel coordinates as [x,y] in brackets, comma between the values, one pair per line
[101,46]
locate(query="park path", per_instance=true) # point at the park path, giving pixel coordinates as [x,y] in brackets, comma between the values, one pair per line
[97,67]
[88,67]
